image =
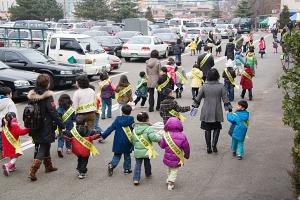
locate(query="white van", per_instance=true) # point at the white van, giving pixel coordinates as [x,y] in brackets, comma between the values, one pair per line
[78,49]
[178,22]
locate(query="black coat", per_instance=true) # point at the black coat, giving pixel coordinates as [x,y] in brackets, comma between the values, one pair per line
[232,73]
[207,65]
[229,52]
[45,134]
[170,84]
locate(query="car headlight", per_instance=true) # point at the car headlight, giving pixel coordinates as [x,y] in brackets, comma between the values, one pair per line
[21,83]
[66,72]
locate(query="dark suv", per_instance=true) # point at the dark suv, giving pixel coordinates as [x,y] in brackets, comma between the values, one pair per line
[34,61]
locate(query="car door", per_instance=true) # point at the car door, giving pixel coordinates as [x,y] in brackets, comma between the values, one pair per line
[17,61]
[161,46]
[68,48]
[53,49]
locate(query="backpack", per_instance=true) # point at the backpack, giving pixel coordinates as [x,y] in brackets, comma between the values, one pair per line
[32,115]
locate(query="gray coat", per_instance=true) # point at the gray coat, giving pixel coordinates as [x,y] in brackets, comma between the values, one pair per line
[152,69]
[213,93]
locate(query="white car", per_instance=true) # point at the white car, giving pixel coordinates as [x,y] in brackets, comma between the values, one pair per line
[141,47]
[226,30]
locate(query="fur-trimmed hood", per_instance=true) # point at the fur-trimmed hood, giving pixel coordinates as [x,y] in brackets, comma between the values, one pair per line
[39,94]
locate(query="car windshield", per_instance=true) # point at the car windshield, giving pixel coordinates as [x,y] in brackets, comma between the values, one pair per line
[139,40]
[166,37]
[35,56]
[94,46]
[108,41]
[126,34]
[3,66]
[193,31]
[191,24]
[162,30]
[175,22]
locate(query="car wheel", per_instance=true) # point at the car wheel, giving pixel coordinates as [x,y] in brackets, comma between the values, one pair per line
[127,59]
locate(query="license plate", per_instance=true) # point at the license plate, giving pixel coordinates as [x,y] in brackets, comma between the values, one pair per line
[69,82]
[134,54]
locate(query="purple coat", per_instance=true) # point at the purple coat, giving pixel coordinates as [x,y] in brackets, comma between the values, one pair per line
[174,126]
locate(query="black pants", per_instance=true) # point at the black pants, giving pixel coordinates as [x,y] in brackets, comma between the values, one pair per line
[144,99]
[82,164]
[250,93]
[151,99]
[42,151]
[195,92]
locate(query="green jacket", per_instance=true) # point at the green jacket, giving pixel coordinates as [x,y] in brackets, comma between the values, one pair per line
[142,91]
[148,133]
[251,60]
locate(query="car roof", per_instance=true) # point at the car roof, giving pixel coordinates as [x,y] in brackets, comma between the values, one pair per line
[69,35]
[16,49]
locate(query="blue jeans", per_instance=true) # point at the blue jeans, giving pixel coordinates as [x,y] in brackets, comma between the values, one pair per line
[229,91]
[117,157]
[61,141]
[178,57]
[97,123]
[106,102]
[138,166]
[237,146]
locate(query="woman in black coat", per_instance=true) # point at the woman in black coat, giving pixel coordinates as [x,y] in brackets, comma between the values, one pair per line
[229,52]
[45,134]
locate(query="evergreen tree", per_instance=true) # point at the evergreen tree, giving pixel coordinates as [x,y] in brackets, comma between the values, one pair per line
[122,9]
[92,9]
[149,15]
[36,10]
[284,18]
[243,9]
[168,16]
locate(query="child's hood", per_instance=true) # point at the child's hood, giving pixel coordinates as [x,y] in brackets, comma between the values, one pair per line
[139,128]
[244,115]
[174,125]
[250,54]
[195,70]
[125,120]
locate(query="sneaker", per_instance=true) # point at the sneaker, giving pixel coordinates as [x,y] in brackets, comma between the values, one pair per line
[215,150]
[127,171]
[5,169]
[81,176]
[12,168]
[110,170]
[240,158]
[69,151]
[136,182]
[77,172]
[234,154]
[59,153]
[171,186]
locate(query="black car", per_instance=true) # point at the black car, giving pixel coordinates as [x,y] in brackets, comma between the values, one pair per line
[34,61]
[19,81]
[111,44]
[169,38]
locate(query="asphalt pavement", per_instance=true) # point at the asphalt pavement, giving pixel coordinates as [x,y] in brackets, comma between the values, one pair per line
[263,174]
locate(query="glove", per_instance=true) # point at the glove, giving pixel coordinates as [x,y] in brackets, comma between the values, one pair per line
[229,109]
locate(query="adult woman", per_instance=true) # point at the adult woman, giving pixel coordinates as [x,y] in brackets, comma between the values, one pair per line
[84,101]
[152,69]
[211,117]
[262,47]
[44,135]
[210,41]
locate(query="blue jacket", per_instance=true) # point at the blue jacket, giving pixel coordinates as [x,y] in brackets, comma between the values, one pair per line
[238,119]
[69,124]
[239,60]
[121,143]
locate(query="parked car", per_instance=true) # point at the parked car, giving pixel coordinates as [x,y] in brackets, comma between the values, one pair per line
[141,47]
[126,35]
[34,61]
[193,33]
[242,24]
[161,30]
[226,30]
[111,44]
[168,38]
[112,30]
[19,81]
[95,33]
[115,62]
[78,49]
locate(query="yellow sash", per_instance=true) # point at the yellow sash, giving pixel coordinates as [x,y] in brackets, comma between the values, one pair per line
[247,75]
[124,91]
[128,133]
[238,40]
[151,153]
[15,143]
[87,144]
[163,85]
[65,117]
[203,61]
[141,83]
[178,115]
[231,79]
[179,153]
[86,106]
[101,85]
[181,77]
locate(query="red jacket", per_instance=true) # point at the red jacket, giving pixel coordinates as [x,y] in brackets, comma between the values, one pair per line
[16,131]
[171,71]
[262,44]
[78,149]
[245,82]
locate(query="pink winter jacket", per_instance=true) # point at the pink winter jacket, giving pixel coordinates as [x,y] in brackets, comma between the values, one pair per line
[171,71]
[174,126]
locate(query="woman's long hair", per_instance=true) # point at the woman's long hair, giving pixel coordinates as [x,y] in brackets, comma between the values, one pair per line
[123,81]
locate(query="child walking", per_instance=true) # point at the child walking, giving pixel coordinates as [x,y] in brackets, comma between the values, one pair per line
[122,144]
[200,43]
[176,147]
[11,131]
[143,136]
[239,125]
[67,113]
[239,62]
[171,68]
[141,89]
[251,60]
[106,93]
[246,82]
[164,82]
[124,91]
[75,136]
[275,45]
[170,108]
[229,83]
[218,48]
[181,79]
[197,80]
[193,46]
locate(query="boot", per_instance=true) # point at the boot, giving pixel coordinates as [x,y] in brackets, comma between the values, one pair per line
[208,141]
[34,168]
[215,140]
[48,165]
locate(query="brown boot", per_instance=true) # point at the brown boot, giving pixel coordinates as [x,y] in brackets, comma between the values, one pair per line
[48,165]
[34,168]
